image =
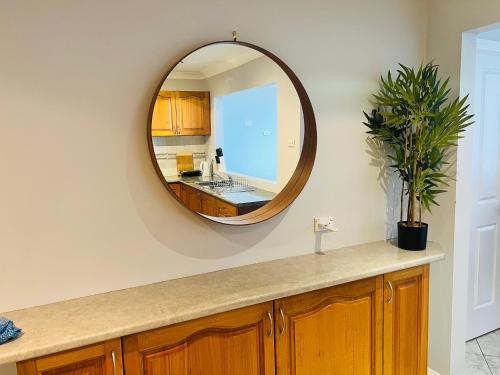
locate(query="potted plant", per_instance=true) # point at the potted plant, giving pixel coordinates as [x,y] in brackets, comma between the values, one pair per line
[419,125]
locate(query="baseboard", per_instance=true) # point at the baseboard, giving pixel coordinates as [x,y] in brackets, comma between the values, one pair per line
[431,372]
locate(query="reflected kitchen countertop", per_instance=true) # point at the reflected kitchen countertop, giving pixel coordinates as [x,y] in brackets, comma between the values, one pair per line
[239,199]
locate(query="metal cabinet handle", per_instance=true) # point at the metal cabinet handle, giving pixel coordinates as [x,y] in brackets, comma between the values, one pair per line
[391,288]
[271,324]
[283,323]
[113,358]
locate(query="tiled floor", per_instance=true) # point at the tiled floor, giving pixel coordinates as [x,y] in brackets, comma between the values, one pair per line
[482,355]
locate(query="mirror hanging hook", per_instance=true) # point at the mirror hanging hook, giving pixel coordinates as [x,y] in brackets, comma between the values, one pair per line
[235,36]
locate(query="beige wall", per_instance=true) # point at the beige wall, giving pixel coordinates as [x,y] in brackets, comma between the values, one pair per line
[448,19]
[82,210]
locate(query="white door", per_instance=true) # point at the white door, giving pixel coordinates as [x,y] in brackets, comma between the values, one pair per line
[484,255]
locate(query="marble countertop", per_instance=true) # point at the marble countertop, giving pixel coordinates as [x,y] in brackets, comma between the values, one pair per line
[238,199]
[70,324]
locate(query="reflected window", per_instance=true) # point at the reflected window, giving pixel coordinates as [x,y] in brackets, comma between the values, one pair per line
[246,124]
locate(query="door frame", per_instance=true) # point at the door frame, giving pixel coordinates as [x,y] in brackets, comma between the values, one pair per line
[464,204]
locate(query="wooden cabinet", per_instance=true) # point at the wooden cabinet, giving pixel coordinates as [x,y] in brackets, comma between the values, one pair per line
[237,342]
[181,113]
[205,203]
[369,327]
[191,198]
[224,209]
[209,205]
[193,112]
[163,122]
[406,295]
[176,188]
[331,331]
[99,359]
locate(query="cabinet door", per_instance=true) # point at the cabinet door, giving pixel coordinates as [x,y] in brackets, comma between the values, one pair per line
[406,295]
[176,188]
[237,342]
[208,205]
[193,112]
[99,359]
[163,121]
[331,331]
[193,197]
[224,209]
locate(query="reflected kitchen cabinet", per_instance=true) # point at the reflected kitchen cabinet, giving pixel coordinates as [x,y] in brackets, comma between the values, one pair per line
[191,198]
[181,113]
[164,121]
[406,295]
[331,331]
[224,209]
[211,203]
[236,342]
[176,188]
[193,112]
[98,359]
[208,205]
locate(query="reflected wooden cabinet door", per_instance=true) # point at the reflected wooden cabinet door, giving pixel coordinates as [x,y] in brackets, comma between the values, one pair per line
[331,331]
[191,197]
[163,120]
[193,112]
[224,209]
[208,205]
[237,342]
[406,295]
[176,188]
[99,359]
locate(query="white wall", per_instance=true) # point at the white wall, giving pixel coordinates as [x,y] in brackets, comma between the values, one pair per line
[176,84]
[260,72]
[448,20]
[166,147]
[82,210]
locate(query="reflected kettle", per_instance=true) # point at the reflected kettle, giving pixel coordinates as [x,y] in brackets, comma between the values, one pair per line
[205,168]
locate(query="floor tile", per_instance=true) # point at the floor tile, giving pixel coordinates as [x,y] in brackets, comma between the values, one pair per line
[494,363]
[475,364]
[472,347]
[490,343]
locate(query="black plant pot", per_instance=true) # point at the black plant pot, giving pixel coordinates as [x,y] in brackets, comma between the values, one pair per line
[412,238]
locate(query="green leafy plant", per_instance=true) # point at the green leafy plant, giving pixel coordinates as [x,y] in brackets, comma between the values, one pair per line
[419,125]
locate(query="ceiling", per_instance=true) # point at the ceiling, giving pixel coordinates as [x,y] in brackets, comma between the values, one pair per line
[214,59]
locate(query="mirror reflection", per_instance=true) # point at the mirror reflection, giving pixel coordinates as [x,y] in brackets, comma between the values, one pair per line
[227,130]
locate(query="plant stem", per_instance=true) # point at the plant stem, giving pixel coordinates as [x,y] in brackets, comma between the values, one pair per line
[402,199]
[420,212]
[402,176]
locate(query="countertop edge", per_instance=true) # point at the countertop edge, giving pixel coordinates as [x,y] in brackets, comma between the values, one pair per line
[286,291]
[222,197]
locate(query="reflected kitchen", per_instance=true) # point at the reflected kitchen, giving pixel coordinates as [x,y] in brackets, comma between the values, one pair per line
[226,130]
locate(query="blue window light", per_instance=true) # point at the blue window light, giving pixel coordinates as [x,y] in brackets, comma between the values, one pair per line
[246,129]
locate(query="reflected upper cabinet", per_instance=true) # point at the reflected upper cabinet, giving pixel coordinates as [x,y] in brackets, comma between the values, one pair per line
[232,133]
[179,113]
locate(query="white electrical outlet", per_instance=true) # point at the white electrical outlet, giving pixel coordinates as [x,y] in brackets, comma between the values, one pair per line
[324,224]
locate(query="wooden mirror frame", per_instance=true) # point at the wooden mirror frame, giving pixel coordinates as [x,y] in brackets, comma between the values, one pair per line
[304,167]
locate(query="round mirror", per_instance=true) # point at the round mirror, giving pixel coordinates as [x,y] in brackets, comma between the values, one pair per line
[232,133]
